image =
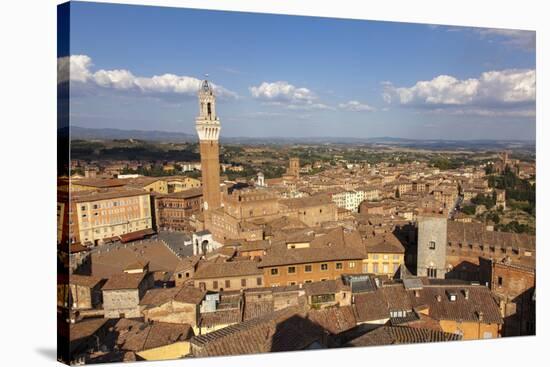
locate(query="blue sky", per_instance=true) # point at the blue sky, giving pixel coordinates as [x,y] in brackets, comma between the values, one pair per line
[136,67]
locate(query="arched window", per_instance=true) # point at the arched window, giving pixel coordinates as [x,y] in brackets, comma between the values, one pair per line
[209,109]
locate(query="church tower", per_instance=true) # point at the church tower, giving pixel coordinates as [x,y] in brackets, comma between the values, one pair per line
[208,129]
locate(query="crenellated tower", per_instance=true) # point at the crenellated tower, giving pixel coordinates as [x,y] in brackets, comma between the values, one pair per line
[208,130]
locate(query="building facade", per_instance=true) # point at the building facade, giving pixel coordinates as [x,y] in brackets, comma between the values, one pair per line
[101,215]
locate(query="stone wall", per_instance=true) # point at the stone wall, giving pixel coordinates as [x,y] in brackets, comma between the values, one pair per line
[432,232]
[122,302]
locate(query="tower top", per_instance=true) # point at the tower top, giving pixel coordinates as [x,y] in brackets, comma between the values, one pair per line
[206,87]
[207,122]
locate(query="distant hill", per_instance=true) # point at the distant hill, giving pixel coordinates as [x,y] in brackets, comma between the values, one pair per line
[85,133]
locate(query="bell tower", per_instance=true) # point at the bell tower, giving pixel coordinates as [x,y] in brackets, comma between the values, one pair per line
[208,130]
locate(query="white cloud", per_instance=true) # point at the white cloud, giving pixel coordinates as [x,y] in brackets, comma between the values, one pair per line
[497,91]
[285,94]
[281,91]
[78,68]
[356,106]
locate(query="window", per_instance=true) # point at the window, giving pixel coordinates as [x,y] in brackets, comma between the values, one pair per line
[308,281]
[375,257]
[180,275]
[385,268]
[396,257]
[432,273]
[243,282]
[500,281]
[215,284]
[291,283]
[352,264]
[431,245]
[274,271]
[338,265]
[83,207]
[227,283]
[291,269]
[395,267]
[375,268]
[307,268]
[258,281]
[324,267]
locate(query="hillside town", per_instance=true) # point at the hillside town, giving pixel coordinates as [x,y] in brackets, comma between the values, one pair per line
[329,255]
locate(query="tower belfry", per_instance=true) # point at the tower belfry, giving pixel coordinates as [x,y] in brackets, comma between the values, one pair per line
[208,130]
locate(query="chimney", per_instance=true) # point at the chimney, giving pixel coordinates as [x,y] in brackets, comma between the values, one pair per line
[480,315]
[438,297]
[466,294]
[417,293]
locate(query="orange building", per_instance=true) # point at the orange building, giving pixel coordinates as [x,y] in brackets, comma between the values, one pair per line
[323,258]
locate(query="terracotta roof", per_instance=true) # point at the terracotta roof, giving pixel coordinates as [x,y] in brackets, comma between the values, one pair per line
[479,307]
[284,330]
[386,335]
[335,319]
[476,233]
[183,294]
[256,309]
[113,261]
[185,194]
[84,280]
[333,246]
[418,321]
[220,317]
[99,182]
[384,243]
[104,194]
[307,201]
[210,269]
[138,336]
[86,328]
[137,235]
[325,287]
[124,281]
[370,306]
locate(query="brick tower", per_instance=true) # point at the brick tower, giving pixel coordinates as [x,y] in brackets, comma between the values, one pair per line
[294,167]
[208,129]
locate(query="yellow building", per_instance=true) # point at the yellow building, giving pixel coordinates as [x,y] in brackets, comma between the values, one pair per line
[107,214]
[175,350]
[385,254]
